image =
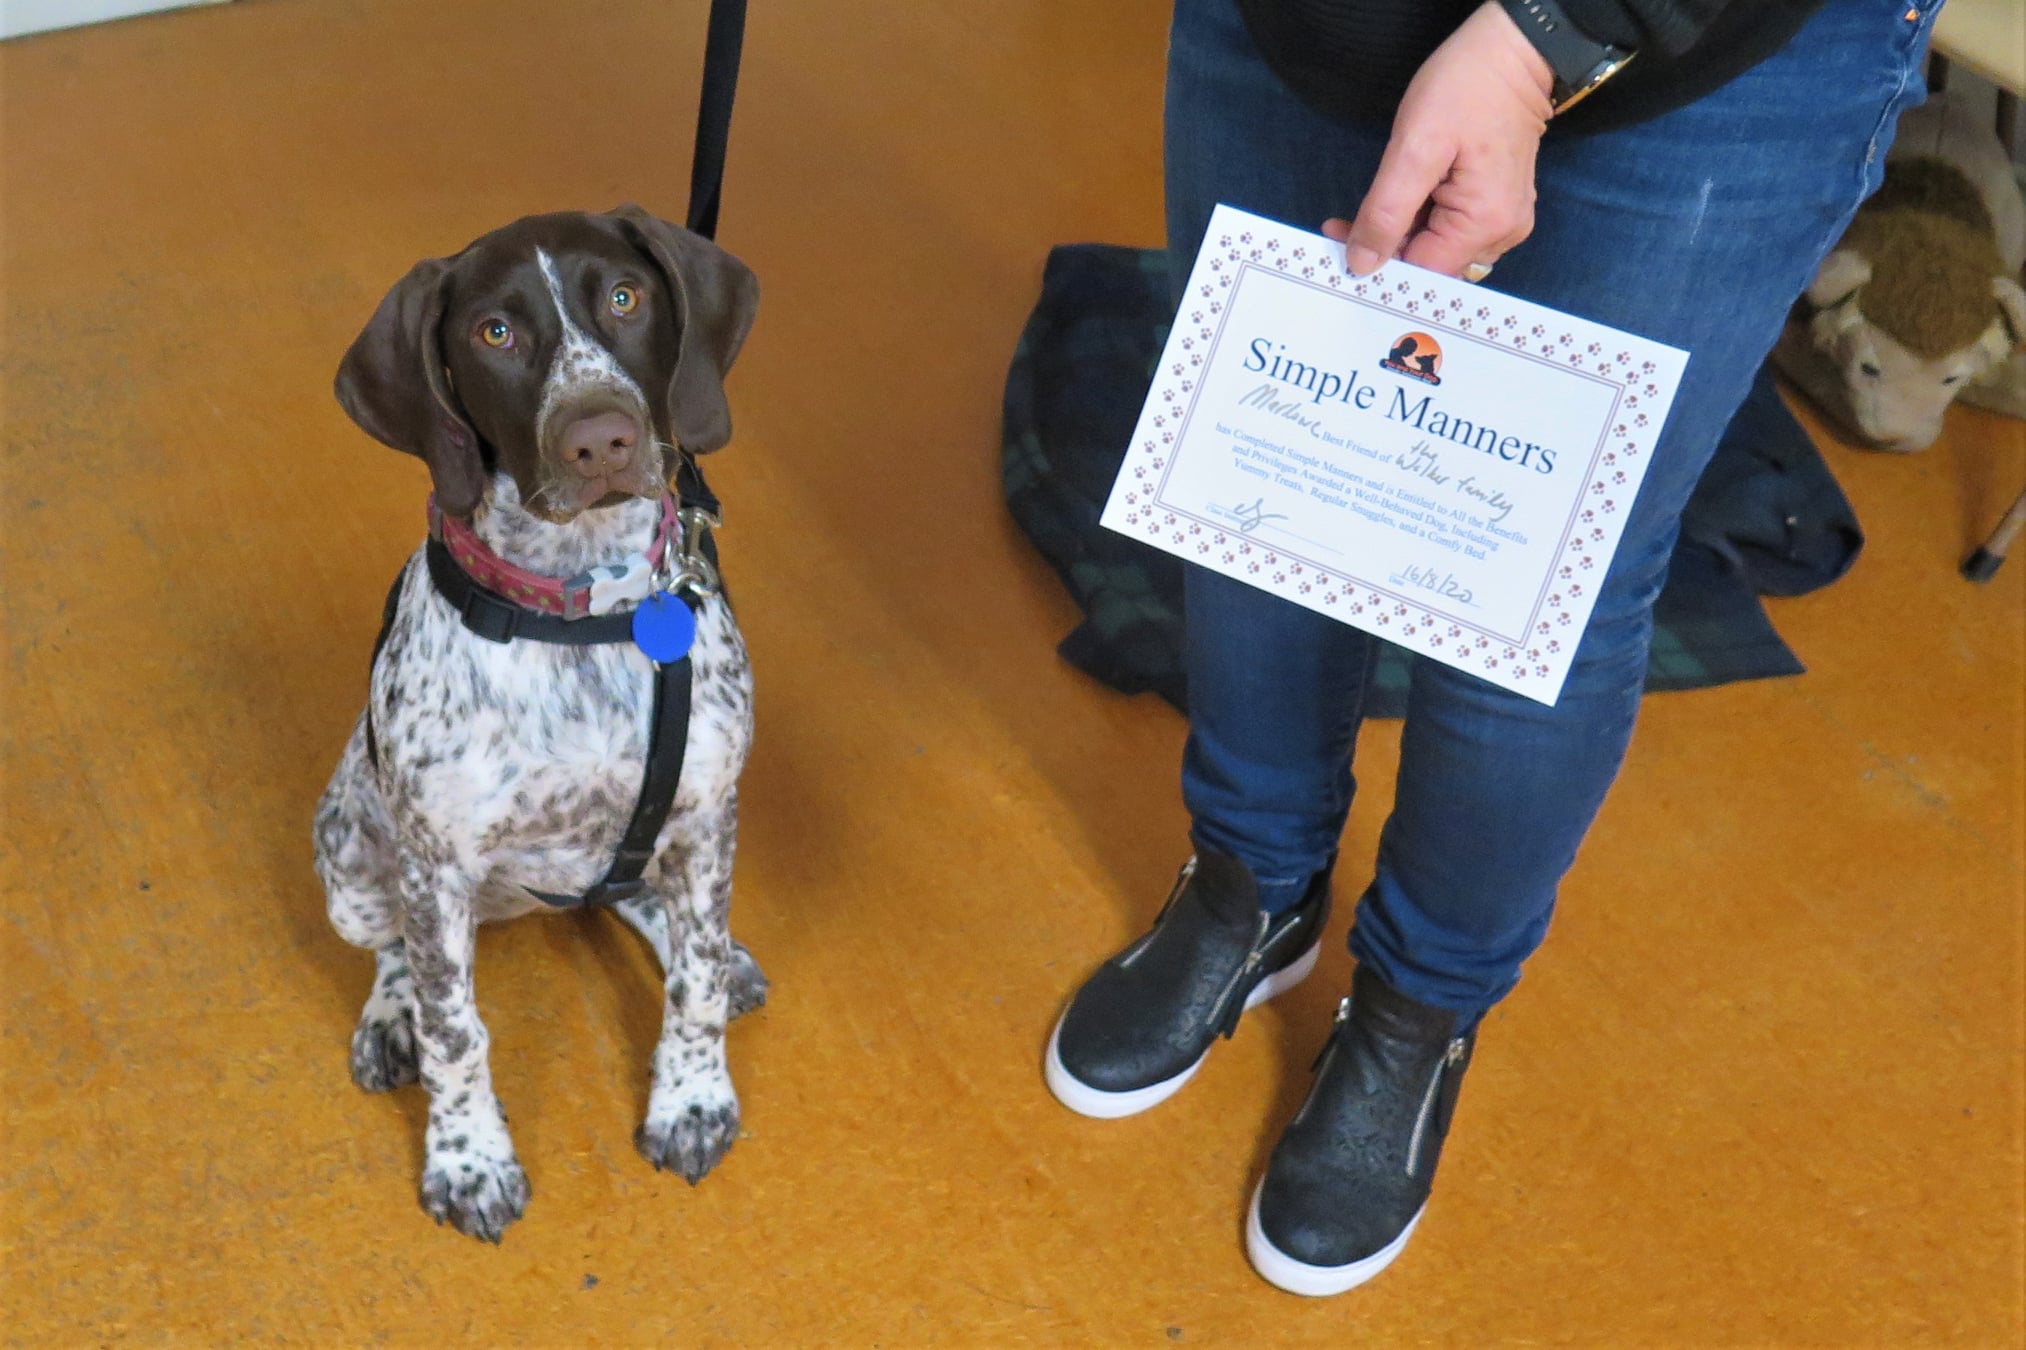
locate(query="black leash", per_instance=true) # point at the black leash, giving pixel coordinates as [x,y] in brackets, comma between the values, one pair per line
[725,38]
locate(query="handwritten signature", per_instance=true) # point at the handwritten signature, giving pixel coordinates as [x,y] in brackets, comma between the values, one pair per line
[1250,518]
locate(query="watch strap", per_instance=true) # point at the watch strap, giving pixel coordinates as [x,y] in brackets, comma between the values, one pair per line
[1580,63]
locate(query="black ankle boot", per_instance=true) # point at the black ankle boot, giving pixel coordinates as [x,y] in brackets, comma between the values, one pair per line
[1351,1174]
[1144,1022]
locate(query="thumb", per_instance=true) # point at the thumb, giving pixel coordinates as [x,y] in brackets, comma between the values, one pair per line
[1408,175]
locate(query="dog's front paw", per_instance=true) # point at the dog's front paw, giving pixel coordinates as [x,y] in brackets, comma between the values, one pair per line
[479,1191]
[383,1051]
[746,985]
[691,1136]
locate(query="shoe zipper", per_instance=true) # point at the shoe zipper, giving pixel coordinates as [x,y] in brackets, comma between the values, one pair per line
[1450,1057]
[1181,883]
[1257,953]
[1330,1046]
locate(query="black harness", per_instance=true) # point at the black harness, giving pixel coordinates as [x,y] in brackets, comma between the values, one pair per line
[495,618]
[498,619]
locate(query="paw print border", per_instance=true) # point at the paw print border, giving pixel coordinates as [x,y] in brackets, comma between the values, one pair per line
[1533,660]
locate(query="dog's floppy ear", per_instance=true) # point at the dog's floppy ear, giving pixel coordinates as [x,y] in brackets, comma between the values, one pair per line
[719,296]
[393,384]
[2012,302]
[1839,276]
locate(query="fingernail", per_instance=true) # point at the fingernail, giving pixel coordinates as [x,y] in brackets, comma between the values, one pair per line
[1363,260]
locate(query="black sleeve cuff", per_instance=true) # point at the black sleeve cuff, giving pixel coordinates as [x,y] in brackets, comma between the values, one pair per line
[1667,27]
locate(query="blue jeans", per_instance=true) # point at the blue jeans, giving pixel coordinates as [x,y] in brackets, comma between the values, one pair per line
[1698,229]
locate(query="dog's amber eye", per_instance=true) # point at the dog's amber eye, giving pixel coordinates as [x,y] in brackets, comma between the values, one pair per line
[496,333]
[625,300]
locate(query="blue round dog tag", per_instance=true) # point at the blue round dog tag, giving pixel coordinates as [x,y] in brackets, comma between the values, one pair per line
[664,627]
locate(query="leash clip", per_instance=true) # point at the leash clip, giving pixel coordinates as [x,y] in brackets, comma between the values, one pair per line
[684,566]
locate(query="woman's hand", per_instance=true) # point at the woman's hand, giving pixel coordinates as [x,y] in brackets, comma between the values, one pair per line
[1456,184]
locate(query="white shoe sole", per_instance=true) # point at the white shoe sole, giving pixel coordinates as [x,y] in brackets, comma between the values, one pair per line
[1086,1100]
[1282,1271]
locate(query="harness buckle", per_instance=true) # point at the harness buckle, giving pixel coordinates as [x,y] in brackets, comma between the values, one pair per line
[491,619]
[611,892]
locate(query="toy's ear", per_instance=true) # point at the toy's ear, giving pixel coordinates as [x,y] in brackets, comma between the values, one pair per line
[1839,276]
[393,384]
[2012,300]
[719,296]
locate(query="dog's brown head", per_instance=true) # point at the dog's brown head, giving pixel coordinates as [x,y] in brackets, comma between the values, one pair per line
[570,351]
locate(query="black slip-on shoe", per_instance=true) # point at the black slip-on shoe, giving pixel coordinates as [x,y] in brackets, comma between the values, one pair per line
[1351,1174]
[1144,1022]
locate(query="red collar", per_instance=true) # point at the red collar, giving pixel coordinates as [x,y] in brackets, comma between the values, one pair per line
[597,591]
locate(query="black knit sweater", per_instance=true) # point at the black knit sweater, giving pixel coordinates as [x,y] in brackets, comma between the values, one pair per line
[1353,58]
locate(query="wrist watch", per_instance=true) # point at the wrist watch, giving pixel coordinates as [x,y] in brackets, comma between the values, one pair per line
[1580,63]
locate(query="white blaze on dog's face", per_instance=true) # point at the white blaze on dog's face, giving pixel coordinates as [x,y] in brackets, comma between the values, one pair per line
[1894,396]
[593,430]
[551,337]
[571,353]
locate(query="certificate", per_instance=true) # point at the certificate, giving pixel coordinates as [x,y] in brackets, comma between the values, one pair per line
[1434,463]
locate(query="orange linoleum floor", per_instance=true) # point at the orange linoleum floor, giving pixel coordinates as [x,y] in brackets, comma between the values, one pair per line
[1762,1087]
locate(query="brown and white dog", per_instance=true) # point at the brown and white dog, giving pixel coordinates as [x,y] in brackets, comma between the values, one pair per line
[546,374]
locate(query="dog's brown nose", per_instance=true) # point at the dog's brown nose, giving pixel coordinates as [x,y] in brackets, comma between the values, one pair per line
[600,446]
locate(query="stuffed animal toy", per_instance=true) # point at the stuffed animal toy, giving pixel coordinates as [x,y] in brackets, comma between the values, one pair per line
[1921,300]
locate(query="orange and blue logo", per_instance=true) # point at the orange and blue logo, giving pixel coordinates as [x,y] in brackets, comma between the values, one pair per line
[1417,356]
